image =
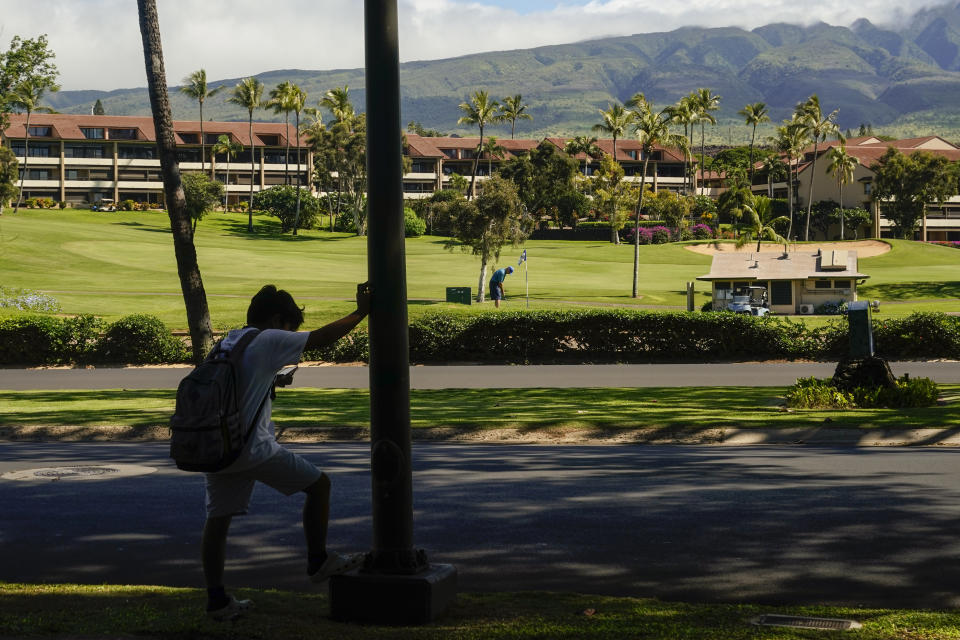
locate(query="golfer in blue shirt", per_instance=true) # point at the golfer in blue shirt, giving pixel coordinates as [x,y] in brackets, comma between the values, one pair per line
[496,285]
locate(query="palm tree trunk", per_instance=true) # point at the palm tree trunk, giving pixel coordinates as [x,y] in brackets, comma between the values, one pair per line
[296,216]
[790,195]
[194,296]
[203,141]
[226,186]
[703,152]
[26,159]
[753,139]
[841,209]
[476,164]
[636,230]
[286,158]
[813,172]
[253,172]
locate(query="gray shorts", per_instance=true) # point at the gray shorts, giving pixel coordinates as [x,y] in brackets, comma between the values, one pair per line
[228,494]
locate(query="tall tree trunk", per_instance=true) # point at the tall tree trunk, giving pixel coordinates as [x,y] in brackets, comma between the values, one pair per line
[253,173]
[813,169]
[203,144]
[790,196]
[636,231]
[841,209]
[194,296]
[482,286]
[703,152]
[26,159]
[296,216]
[226,186]
[286,158]
[476,164]
[753,139]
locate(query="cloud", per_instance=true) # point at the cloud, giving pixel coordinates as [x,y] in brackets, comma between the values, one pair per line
[98,41]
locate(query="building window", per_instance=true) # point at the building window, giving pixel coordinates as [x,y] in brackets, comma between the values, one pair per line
[92,133]
[822,284]
[421,167]
[136,152]
[41,132]
[212,138]
[123,134]
[190,138]
[188,155]
[781,293]
[841,284]
[37,174]
[269,141]
[83,151]
[867,188]
[35,151]
[451,153]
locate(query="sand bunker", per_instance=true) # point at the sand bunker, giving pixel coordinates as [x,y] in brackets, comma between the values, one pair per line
[864,248]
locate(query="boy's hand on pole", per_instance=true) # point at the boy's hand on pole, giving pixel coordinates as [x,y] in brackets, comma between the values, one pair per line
[363,298]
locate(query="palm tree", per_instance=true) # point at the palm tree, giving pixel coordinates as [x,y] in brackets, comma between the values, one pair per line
[298,100]
[842,166]
[281,101]
[512,110]
[27,96]
[652,130]
[195,86]
[249,94]
[479,111]
[587,145]
[337,102]
[684,114]
[492,150]
[818,127]
[614,122]
[191,284]
[754,114]
[230,149]
[760,223]
[791,140]
[704,102]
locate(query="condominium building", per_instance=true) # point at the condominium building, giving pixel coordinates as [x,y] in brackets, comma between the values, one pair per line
[83,159]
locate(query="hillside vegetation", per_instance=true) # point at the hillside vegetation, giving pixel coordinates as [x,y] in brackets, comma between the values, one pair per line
[906,81]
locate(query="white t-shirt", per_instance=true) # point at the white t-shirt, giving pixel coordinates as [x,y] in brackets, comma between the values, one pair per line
[271,350]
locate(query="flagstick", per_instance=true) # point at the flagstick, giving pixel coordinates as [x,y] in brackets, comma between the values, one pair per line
[526,279]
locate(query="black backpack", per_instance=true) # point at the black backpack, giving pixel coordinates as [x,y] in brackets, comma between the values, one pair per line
[206,431]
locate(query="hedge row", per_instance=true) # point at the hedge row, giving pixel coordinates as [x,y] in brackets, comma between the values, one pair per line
[586,336]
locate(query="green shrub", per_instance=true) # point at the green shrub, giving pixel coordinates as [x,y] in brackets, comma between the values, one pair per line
[813,393]
[140,339]
[127,205]
[29,340]
[62,204]
[413,225]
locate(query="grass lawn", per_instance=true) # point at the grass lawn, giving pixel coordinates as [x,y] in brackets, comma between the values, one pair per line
[109,611]
[606,410]
[114,264]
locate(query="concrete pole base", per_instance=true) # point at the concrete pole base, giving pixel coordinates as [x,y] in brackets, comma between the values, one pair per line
[378,598]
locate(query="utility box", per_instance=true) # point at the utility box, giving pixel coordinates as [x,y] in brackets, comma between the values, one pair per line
[459,295]
[861,330]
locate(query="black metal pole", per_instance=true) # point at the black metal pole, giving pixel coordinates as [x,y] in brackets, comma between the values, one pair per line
[393,550]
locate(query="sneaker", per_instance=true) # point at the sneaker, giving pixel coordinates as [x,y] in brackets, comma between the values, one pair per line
[336,563]
[230,611]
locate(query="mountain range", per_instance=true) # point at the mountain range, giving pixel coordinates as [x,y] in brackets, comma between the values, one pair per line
[903,81]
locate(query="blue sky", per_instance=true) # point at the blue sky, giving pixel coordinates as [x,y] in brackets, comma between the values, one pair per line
[98,46]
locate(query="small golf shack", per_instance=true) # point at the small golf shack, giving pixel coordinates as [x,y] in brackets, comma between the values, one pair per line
[795,281]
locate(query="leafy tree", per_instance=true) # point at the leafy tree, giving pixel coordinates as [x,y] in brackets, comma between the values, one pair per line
[907,184]
[613,196]
[614,122]
[98,108]
[195,86]
[491,150]
[248,93]
[824,214]
[413,225]
[341,151]
[337,102]
[512,110]
[754,114]
[298,101]
[545,181]
[194,296]
[587,145]
[229,149]
[8,175]
[791,139]
[201,194]
[819,127]
[704,102]
[280,201]
[759,223]
[27,96]
[842,165]
[853,219]
[27,59]
[487,223]
[435,211]
[731,203]
[281,100]
[683,113]
[652,130]
[415,127]
[481,110]
[459,184]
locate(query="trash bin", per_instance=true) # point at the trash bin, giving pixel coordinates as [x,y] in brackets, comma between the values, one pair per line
[459,295]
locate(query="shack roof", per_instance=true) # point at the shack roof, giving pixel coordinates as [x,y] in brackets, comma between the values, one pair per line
[794,265]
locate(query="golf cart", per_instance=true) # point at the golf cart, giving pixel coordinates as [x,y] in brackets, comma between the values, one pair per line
[749,300]
[104,204]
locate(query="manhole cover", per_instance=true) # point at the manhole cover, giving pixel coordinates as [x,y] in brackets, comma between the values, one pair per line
[80,472]
[803,622]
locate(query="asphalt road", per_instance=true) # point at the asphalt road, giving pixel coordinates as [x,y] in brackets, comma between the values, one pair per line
[873,527]
[763,374]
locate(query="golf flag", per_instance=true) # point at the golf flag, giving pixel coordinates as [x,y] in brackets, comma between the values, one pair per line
[523,257]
